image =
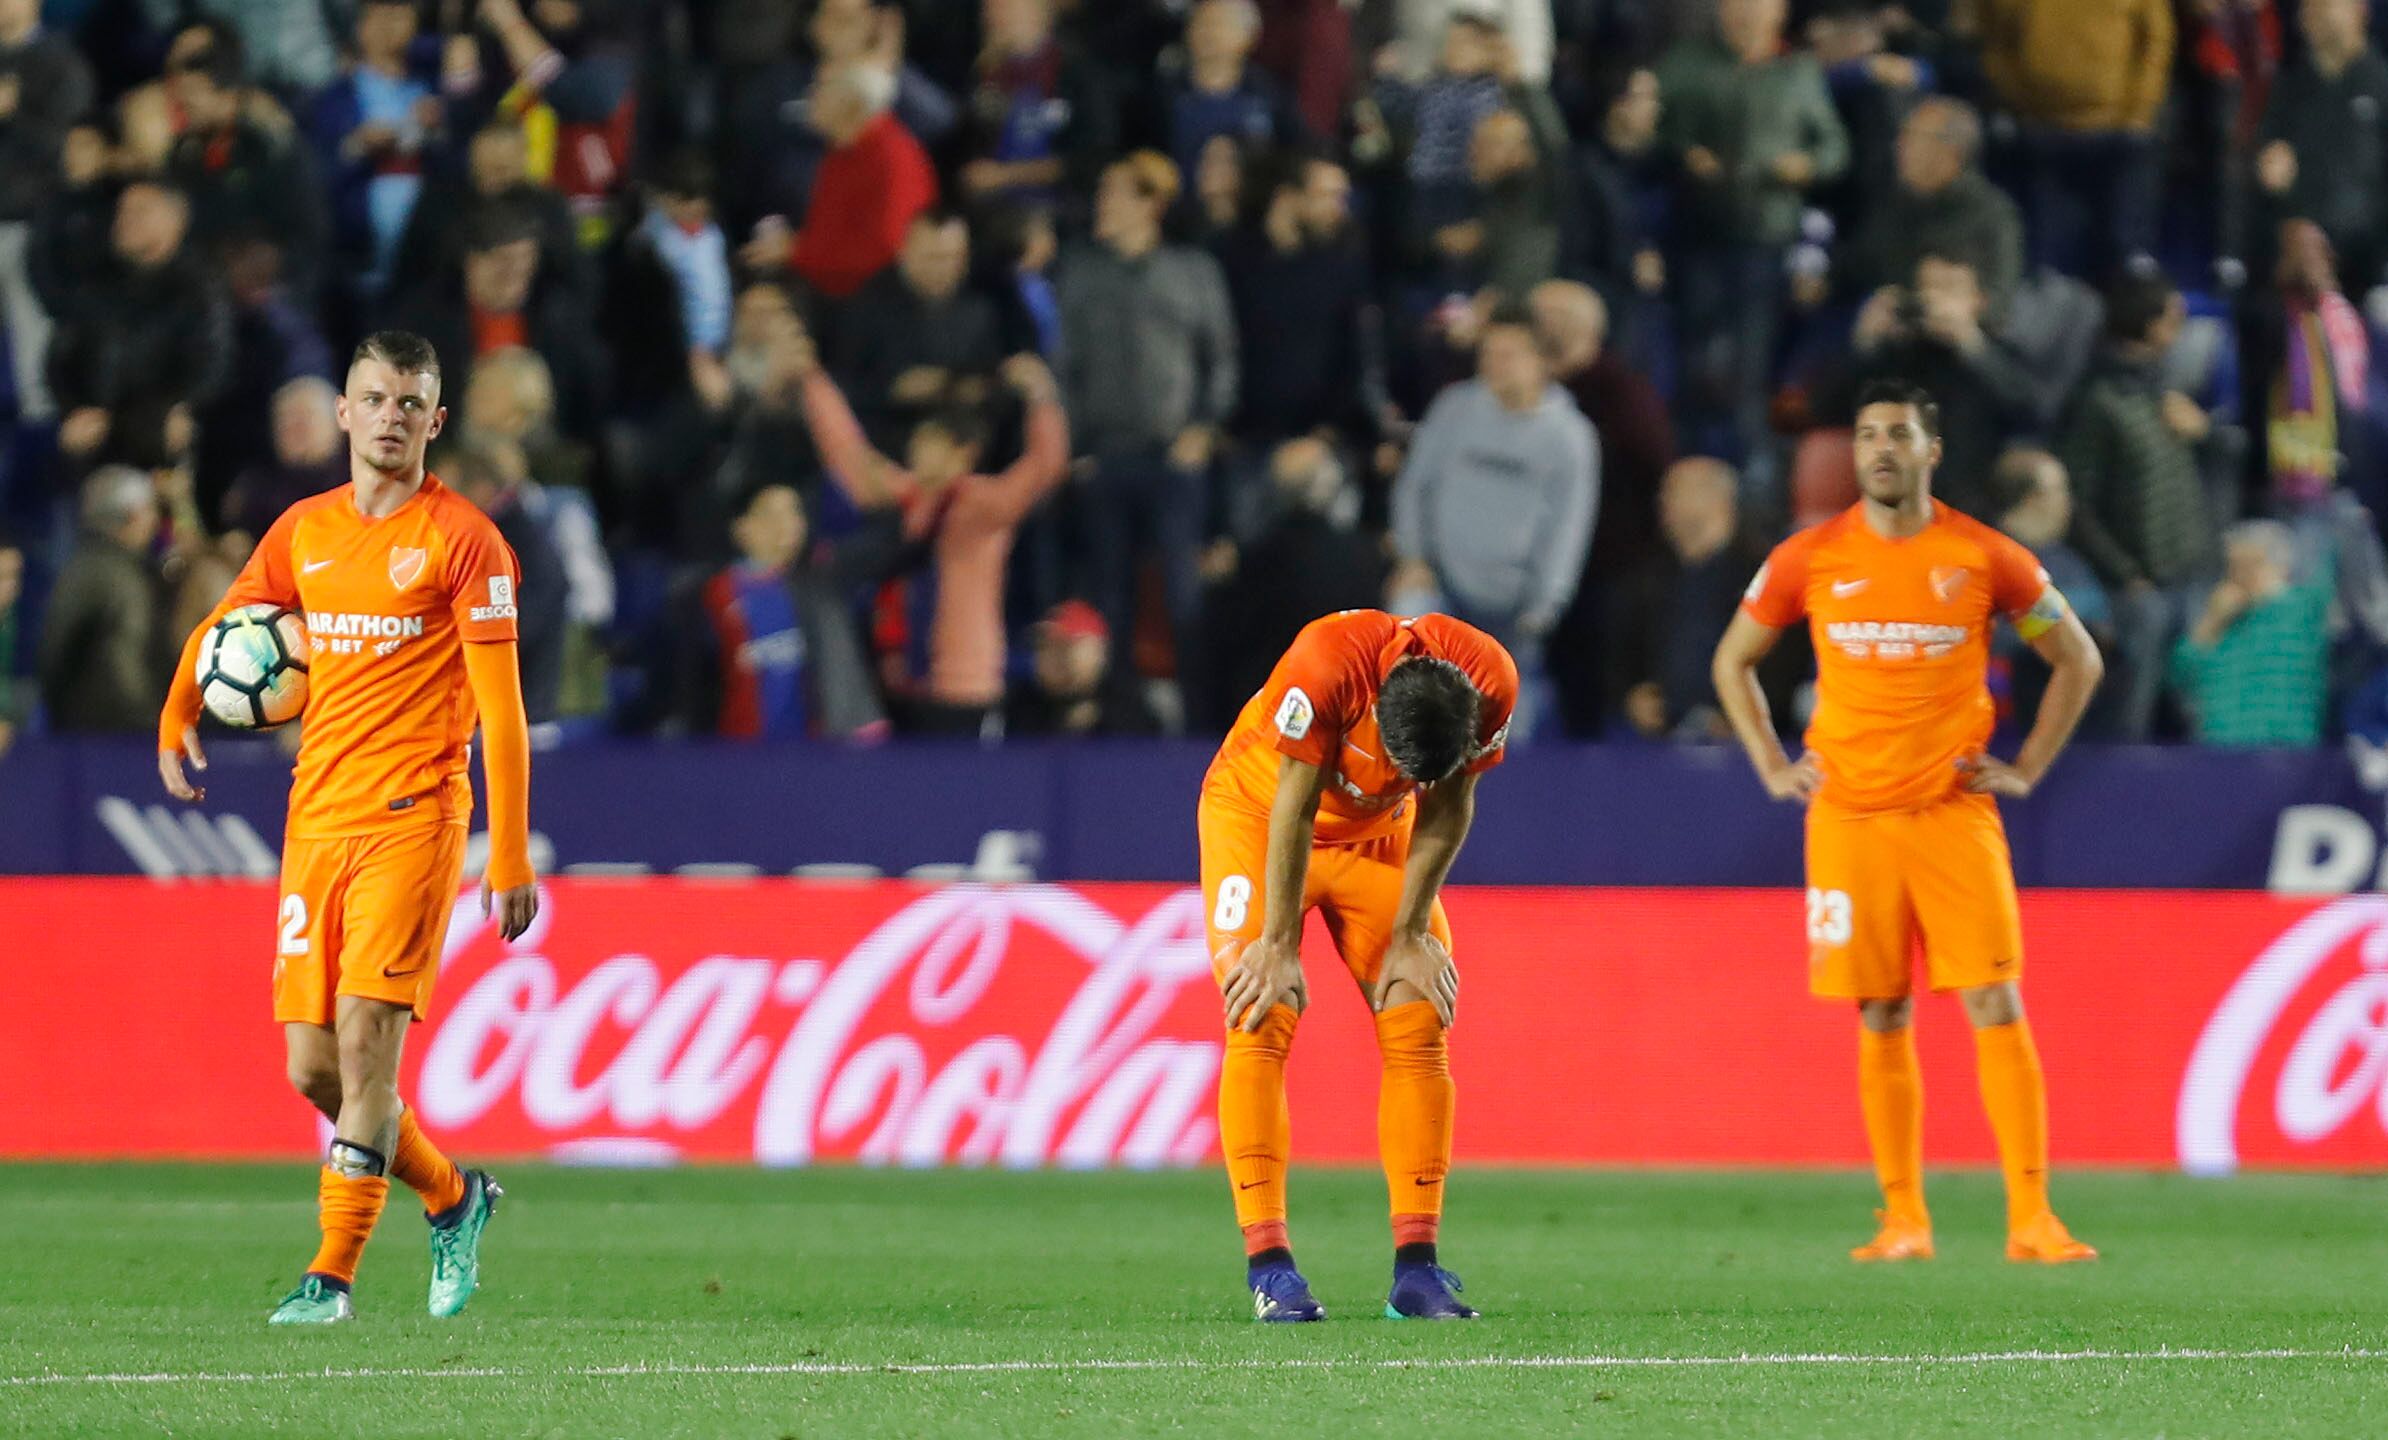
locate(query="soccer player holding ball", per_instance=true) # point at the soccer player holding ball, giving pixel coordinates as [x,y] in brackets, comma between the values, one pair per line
[1348,784]
[1904,842]
[408,594]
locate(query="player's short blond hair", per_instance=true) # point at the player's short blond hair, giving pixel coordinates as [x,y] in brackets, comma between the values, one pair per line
[401,350]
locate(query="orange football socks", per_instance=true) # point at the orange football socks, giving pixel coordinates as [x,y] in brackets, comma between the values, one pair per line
[349,1204]
[2015,1093]
[1415,1103]
[1255,1125]
[1890,1087]
[419,1165]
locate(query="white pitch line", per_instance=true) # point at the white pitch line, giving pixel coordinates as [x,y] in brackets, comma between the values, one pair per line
[1034,1367]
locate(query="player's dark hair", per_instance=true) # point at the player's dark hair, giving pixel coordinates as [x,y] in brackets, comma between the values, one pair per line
[2135,303]
[1428,711]
[1903,392]
[960,424]
[401,350]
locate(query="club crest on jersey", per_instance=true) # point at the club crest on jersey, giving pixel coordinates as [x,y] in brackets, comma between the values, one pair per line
[406,564]
[1948,581]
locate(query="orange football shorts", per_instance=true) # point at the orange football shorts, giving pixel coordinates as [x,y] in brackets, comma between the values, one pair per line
[1881,884]
[1355,888]
[364,915]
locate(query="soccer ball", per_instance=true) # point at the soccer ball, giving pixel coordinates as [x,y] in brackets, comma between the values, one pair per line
[253,667]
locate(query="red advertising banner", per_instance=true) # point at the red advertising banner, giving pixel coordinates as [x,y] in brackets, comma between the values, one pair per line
[782,1022]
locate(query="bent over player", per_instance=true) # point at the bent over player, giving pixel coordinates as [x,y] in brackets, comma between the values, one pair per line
[409,598]
[1348,784]
[1904,843]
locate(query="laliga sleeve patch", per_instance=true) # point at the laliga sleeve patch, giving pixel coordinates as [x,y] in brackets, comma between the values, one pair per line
[2043,616]
[1294,714]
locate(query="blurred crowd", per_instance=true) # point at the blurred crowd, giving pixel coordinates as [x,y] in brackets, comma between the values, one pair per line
[855,368]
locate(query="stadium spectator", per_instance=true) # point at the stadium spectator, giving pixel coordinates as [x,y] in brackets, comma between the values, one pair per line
[15,702]
[503,492]
[911,335]
[1073,690]
[1419,26]
[1494,510]
[789,663]
[45,85]
[2254,667]
[249,181]
[1019,252]
[371,129]
[952,667]
[1510,243]
[275,339]
[2086,82]
[686,262]
[1621,195]
[573,77]
[1307,45]
[1874,88]
[1674,606]
[2033,501]
[495,178]
[507,420]
[142,340]
[1221,177]
[1043,122]
[771,153]
[1753,130]
[874,179]
[497,301]
[1302,558]
[104,659]
[2322,149]
[1941,204]
[1931,333]
[309,457]
[1221,93]
[289,40]
[1150,365]
[1637,442]
[2141,514]
[1433,122]
[1306,319]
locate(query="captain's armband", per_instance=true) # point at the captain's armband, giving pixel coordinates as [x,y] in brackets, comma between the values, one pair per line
[2045,614]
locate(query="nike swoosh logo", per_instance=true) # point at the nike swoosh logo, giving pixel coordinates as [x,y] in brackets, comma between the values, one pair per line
[312,566]
[1421,1180]
[1843,589]
[389,974]
[1249,1184]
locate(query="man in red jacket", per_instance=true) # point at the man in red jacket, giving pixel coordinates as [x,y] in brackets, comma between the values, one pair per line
[870,185]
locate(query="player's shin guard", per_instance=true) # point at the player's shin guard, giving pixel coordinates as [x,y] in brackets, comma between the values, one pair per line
[2015,1093]
[1415,1102]
[349,1195]
[1890,1087]
[418,1164]
[1255,1126]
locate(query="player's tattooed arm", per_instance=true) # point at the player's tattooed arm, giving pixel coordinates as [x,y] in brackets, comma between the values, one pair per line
[1735,671]
[1269,972]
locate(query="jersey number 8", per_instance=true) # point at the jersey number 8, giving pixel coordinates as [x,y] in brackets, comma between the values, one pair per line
[1235,903]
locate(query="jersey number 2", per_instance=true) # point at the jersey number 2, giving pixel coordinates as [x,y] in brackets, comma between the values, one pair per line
[294,924]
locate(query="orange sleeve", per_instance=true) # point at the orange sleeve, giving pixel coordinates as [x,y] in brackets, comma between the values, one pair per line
[481,579]
[1778,597]
[2017,579]
[1312,696]
[265,580]
[496,679]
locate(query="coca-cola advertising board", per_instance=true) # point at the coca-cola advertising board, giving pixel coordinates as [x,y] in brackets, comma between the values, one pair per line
[785,1022]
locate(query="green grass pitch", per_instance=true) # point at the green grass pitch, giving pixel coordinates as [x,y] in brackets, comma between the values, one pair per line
[1701,1304]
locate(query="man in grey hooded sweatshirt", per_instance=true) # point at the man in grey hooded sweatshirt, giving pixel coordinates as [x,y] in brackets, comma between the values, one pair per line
[1493,511]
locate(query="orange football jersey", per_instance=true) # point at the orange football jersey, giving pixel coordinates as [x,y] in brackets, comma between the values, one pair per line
[1902,632]
[1319,705]
[389,604]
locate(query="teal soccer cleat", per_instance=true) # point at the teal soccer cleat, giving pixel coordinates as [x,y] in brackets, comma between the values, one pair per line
[456,1246]
[317,1301]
